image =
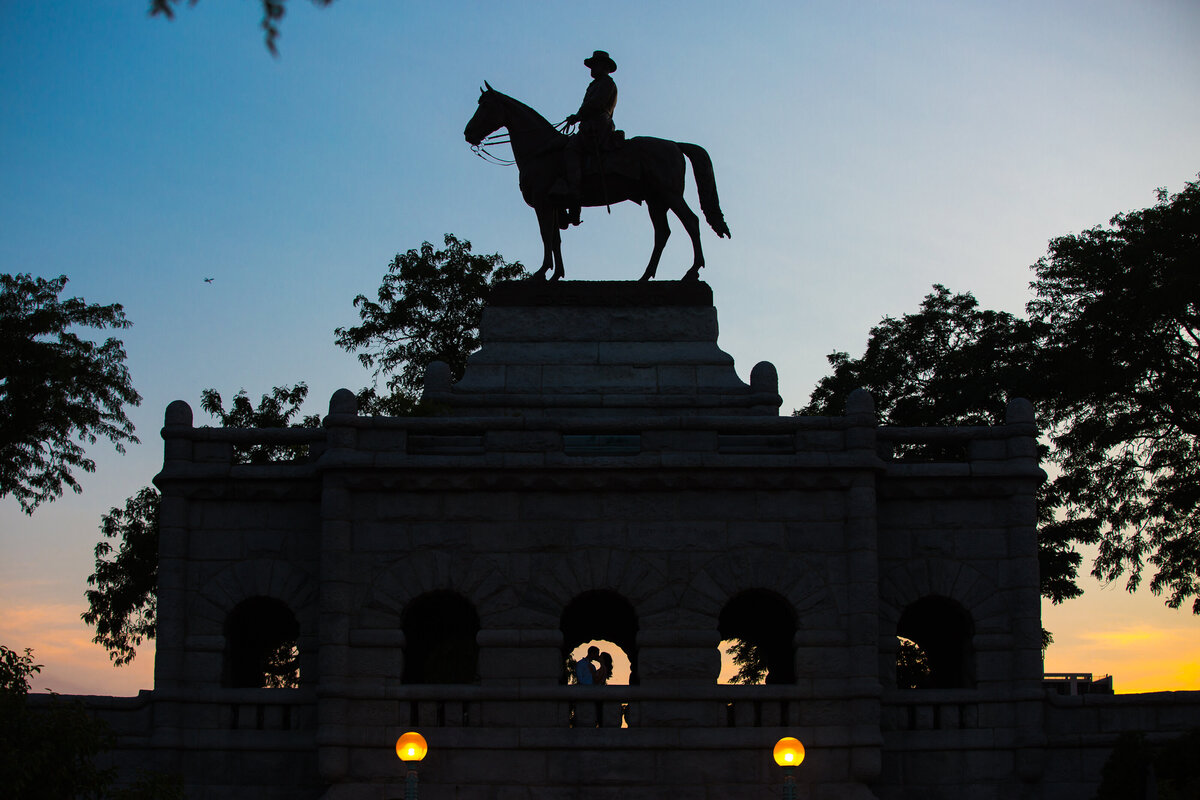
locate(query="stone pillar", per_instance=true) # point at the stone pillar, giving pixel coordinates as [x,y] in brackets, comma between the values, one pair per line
[862,611]
[171,624]
[338,580]
[1027,607]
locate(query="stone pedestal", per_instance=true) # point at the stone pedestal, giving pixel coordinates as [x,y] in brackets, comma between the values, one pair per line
[608,348]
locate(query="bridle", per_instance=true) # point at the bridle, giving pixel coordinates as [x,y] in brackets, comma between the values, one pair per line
[482,151]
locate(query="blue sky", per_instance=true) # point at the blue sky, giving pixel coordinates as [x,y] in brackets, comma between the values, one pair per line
[862,151]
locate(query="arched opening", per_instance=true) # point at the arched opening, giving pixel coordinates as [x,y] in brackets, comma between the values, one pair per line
[261,645]
[757,628]
[605,621]
[440,629]
[941,630]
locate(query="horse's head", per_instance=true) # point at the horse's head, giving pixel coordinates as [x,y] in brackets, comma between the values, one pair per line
[488,118]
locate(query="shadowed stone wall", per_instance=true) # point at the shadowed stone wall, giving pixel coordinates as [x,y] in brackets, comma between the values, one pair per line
[602,446]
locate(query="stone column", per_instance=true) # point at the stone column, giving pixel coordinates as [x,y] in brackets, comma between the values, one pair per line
[862,612]
[338,579]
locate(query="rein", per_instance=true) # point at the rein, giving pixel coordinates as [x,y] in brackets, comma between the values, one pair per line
[482,151]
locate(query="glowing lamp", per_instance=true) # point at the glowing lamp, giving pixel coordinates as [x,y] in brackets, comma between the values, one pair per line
[789,752]
[413,747]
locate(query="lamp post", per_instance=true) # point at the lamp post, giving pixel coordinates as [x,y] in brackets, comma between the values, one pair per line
[411,747]
[788,753]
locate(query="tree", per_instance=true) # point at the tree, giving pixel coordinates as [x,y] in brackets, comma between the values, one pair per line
[953,363]
[57,390]
[750,660]
[50,751]
[275,410]
[273,11]
[433,298]
[912,665]
[123,603]
[1110,355]
[1122,307]
[427,309]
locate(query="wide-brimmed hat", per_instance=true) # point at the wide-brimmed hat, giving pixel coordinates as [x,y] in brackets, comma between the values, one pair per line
[601,60]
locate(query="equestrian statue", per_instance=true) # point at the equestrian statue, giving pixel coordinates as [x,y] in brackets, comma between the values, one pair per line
[597,166]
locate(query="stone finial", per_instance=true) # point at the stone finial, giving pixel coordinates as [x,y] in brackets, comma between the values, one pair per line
[437,377]
[1019,410]
[860,402]
[764,378]
[343,402]
[179,415]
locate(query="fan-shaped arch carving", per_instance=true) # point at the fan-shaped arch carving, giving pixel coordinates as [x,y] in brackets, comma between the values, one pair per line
[260,577]
[477,580]
[979,596]
[555,580]
[795,578]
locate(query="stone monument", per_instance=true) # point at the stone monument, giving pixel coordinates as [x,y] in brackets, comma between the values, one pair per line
[602,474]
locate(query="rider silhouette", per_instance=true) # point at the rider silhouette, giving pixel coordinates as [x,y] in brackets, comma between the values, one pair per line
[595,118]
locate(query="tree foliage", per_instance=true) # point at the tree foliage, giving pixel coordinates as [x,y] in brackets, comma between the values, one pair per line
[427,309]
[123,603]
[273,11]
[1122,305]
[58,391]
[912,665]
[1110,355]
[50,751]
[953,363]
[275,410]
[750,660]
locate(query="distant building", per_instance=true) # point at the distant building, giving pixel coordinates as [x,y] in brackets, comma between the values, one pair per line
[1076,683]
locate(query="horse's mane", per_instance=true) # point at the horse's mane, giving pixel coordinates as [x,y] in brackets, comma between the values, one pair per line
[528,109]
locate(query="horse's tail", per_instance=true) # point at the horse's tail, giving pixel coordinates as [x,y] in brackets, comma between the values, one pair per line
[706,184]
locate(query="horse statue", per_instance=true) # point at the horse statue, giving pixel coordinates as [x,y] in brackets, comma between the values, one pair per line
[643,168]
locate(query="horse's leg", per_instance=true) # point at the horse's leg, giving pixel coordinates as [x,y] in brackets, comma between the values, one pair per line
[548,225]
[662,231]
[691,224]
[558,259]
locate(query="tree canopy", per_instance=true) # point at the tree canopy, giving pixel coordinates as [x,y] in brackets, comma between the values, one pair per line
[1110,355]
[1122,309]
[273,11]
[58,390]
[122,604]
[427,309]
[50,752]
[275,410]
[124,600]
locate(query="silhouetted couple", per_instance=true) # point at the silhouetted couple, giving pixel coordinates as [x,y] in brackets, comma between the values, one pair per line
[594,668]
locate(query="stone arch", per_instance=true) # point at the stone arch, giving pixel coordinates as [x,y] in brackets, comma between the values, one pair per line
[557,579]
[907,583]
[259,577]
[764,624]
[427,571]
[600,615]
[794,578]
[441,631]
[262,647]
[965,598]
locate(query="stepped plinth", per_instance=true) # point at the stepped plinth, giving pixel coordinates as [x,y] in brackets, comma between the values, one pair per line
[602,348]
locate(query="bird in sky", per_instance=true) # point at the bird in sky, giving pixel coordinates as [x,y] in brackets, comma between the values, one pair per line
[208,280]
